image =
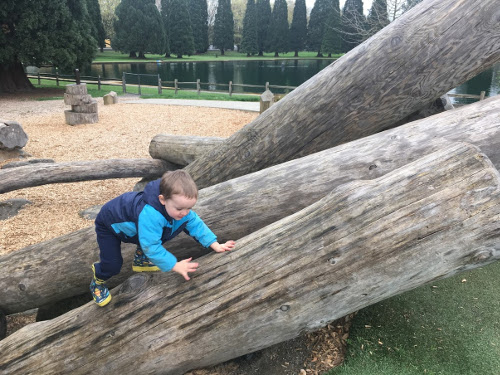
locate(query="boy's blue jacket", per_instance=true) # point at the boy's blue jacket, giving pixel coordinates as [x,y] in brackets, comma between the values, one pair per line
[140,218]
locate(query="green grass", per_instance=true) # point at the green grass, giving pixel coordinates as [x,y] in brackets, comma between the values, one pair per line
[450,327]
[146,92]
[112,56]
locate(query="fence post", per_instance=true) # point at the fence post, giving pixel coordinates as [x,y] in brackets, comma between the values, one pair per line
[39,83]
[57,78]
[266,100]
[139,82]
[159,84]
[198,87]
[482,95]
[267,86]
[175,86]
[124,84]
[230,88]
[99,82]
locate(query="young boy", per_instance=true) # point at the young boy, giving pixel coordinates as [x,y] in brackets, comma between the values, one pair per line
[149,219]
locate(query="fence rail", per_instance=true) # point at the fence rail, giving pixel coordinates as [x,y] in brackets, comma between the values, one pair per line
[161,85]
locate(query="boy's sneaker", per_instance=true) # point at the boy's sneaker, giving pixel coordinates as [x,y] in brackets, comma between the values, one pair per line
[142,263]
[99,291]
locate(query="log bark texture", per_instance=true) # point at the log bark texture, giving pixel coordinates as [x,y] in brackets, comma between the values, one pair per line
[181,149]
[423,54]
[50,173]
[364,242]
[241,206]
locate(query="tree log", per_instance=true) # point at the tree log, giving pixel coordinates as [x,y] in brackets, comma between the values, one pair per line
[50,173]
[362,243]
[420,56]
[241,206]
[181,149]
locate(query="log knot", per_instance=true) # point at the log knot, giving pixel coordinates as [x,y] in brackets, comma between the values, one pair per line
[134,283]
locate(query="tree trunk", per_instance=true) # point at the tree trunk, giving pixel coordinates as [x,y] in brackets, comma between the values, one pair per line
[13,78]
[363,243]
[417,58]
[41,174]
[60,268]
[181,149]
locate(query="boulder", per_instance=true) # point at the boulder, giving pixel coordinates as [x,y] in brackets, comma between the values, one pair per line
[12,135]
[111,98]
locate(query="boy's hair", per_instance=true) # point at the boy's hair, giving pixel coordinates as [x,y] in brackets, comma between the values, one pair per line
[178,182]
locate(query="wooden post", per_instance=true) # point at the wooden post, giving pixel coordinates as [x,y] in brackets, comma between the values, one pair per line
[57,78]
[99,82]
[482,95]
[159,84]
[139,83]
[198,87]
[77,76]
[267,86]
[124,83]
[266,100]
[175,86]
[39,83]
[230,88]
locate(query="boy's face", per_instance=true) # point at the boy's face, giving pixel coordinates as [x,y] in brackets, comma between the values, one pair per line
[177,205]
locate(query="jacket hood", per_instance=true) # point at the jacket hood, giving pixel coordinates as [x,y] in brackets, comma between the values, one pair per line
[150,196]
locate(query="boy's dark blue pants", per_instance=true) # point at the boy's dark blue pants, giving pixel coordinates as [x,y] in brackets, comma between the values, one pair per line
[109,251]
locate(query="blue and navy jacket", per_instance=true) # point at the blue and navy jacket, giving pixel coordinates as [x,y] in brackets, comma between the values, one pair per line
[140,218]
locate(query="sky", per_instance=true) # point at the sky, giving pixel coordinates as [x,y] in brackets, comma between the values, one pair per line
[366,4]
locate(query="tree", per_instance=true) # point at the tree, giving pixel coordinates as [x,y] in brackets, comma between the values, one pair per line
[139,28]
[332,41]
[199,22]
[224,26]
[264,21]
[279,28]
[377,17]
[249,43]
[30,35]
[238,8]
[298,29]
[108,8]
[96,22]
[165,13]
[408,4]
[316,26]
[181,32]
[353,24]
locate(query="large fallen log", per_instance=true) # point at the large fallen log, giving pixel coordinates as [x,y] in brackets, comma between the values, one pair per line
[423,54]
[363,243]
[181,149]
[243,205]
[50,173]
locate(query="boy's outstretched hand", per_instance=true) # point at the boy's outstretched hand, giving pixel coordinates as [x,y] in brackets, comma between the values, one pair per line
[220,248]
[184,267]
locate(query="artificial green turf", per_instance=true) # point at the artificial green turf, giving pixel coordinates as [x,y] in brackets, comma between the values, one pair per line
[451,326]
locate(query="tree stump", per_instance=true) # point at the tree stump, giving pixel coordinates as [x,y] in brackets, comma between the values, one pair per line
[83,107]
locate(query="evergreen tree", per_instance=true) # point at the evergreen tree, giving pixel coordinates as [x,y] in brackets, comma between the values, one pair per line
[317,26]
[377,17]
[249,43]
[108,8]
[408,4]
[165,14]
[353,24]
[181,32]
[298,29]
[224,26]
[199,21]
[139,28]
[264,15]
[95,18]
[332,40]
[41,32]
[280,32]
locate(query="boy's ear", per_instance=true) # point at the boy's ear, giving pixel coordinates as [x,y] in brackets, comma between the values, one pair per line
[162,199]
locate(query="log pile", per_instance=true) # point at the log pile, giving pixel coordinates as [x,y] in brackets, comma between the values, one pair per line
[83,106]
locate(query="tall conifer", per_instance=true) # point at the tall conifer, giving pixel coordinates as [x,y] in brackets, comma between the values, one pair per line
[165,13]
[249,43]
[317,26]
[298,29]
[353,24]
[264,15]
[199,21]
[332,40]
[377,17]
[280,32]
[224,26]
[95,19]
[181,32]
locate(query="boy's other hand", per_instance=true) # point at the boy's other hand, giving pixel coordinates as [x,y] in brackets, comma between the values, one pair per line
[220,248]
[184,267]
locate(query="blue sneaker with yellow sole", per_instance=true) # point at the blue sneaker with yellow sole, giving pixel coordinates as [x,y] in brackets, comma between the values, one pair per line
[142,263]
[99,290]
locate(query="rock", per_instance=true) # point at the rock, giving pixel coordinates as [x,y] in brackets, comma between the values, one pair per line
[12,135]
[111,98]
[11,207]
[15,164]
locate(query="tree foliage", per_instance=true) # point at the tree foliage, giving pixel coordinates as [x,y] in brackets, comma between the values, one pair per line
[198,13]
[332,41]
[353,24]
[224,26]
[279,28]
[165,6]
[249,43]
[181,32]
[378,17]
[317,26]
[139,28]
[298,28]
[264,15]
[56,32]
[98,33]
[108,8]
